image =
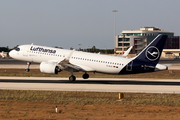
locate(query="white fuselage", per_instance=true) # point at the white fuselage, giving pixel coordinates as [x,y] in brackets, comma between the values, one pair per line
[53,60]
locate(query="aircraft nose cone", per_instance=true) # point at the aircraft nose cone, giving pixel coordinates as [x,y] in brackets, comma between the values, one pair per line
[11,53]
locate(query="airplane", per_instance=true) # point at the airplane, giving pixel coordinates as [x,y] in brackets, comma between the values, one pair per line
[54,60]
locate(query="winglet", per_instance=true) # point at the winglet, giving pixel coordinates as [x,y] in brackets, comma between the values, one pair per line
[66,60]
[127,52]
[68,57]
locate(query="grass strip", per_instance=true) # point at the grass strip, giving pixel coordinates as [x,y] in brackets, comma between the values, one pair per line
[65,97]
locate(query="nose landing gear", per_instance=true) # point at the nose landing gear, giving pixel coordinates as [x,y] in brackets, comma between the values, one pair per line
[28,65]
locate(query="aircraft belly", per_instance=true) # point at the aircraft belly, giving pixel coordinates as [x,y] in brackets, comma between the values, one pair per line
[110,71]
[99,68]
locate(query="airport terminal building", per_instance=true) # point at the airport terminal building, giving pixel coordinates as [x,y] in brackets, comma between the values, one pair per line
[139,39]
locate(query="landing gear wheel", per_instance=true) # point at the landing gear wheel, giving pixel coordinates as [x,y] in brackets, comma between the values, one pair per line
[85,76]
[72,78]
[27,69]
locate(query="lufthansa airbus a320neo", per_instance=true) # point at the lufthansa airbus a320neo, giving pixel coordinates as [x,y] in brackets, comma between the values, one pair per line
[53,60]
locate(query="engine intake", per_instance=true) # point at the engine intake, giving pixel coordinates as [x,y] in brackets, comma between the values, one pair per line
[49,68]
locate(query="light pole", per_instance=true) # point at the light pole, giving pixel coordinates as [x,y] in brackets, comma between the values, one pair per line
[115,30]
[79,47]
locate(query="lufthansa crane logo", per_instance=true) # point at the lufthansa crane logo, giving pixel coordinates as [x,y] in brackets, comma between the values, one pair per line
[152,53]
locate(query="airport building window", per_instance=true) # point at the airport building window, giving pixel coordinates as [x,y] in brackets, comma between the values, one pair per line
[137,34]
[123,39]
[129,34]
[126,44]
[132,34]
[119,44]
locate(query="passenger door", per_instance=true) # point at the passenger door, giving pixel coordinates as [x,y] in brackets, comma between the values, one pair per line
[129,66]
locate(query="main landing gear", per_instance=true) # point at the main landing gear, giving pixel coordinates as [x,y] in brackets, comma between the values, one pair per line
[28,65]
[73,78]
[85,76]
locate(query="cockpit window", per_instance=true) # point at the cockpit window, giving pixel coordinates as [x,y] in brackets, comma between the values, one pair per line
[17,49]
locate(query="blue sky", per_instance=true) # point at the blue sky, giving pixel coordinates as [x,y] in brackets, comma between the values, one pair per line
[67,23]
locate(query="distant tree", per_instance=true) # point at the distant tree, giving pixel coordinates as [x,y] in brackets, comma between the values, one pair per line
[5,49]
[58,47]
[104,51]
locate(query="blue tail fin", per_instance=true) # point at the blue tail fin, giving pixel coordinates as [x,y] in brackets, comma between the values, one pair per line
[148,58]
[152,52]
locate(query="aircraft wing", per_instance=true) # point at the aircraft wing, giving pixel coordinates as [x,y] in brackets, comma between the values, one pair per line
[66,65]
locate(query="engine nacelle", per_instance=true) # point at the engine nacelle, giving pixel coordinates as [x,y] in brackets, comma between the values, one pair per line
[49,68]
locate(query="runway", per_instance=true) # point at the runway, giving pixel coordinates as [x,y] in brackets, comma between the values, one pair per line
[93,84]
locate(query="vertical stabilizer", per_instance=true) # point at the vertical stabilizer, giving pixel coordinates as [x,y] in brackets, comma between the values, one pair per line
[148,58]
[152,52]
